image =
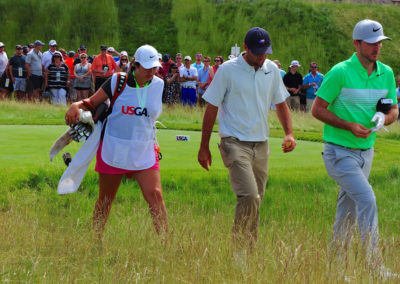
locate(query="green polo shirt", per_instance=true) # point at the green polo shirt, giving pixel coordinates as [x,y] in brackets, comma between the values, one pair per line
[352,95]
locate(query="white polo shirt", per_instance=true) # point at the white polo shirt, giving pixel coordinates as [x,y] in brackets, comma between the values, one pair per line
[189,72]
[3,62]
[46,58]
[244,97]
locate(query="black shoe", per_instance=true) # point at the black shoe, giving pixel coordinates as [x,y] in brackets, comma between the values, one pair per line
[67,158]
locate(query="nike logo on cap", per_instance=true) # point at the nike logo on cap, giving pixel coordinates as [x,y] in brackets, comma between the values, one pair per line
[375,30]
[152,56]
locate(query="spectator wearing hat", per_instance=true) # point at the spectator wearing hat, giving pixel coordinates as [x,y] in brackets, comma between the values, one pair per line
[30,46]
[347,104]
[3,58]
[34,69]
[165,66]
[243,127]
[72,96]
[17,71]
[188,78]
[115,54]
[123,62]
[82,49]
[311,83]
[48,55]
[25,50]
[103,67]
[293,82]
[57,79]
[3,65]
[213,70]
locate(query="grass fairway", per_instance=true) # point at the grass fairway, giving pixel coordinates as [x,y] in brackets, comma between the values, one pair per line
[47,238]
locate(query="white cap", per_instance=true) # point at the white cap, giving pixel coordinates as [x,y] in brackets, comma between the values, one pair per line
[187,57]
[52,42]
[2,44]
[111,49]
[231,57]
[147,56]
[294,63]
[369,31]
[124,53]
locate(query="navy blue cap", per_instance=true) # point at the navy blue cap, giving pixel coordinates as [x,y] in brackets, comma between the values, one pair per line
[38,42]
[103,47]
[166,58]
[258,41]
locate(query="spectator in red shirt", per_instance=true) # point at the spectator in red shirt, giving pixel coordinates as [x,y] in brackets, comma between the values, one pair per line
[71,97]
[165,65]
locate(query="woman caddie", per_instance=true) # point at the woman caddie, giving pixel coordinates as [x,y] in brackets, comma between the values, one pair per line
[128,145]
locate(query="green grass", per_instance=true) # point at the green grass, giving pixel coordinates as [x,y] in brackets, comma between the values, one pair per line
[47,238]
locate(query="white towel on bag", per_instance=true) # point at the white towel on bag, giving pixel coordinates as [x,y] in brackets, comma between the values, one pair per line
[74,174]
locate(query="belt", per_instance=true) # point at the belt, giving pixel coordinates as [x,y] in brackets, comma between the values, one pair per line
[349,148]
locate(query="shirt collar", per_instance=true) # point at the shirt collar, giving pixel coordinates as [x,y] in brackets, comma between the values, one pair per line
[354,59]
[243,63]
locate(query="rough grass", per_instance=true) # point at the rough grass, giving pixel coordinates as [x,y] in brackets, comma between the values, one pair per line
[47,238]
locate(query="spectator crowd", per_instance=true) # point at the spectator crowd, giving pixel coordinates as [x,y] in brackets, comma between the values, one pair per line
[62,77]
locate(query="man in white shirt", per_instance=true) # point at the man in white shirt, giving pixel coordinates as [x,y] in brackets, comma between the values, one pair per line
[47,55]
[3,64]
[241,93]
[3,58]
[188,79]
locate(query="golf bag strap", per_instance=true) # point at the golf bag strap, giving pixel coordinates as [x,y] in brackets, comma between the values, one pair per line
[122,79]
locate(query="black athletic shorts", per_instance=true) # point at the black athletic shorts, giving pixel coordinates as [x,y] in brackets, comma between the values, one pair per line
[98,82]
[37,81]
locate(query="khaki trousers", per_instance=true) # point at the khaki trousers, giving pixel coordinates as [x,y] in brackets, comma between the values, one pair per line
[293,102]
[247,163]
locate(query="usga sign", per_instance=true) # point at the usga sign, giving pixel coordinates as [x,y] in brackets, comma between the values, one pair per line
[182,138]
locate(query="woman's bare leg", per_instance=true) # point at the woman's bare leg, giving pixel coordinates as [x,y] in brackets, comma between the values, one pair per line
[108,187]
[150,184]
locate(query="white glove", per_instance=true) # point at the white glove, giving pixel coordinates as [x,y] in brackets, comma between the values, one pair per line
[86,117]
[379,119]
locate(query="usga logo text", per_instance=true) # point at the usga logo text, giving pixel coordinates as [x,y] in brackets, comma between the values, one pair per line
[131,110]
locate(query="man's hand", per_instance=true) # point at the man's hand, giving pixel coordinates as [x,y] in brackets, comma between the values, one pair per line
[379,119]
[204,157]
[359,130]
[288,144]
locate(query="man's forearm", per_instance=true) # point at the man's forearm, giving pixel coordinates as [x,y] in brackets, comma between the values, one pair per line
[283,113]
[210,116]
[392,115]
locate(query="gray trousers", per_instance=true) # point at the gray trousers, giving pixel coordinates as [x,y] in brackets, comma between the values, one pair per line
[350,168]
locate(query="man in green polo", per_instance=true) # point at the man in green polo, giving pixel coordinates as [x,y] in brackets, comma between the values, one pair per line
[347,103]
